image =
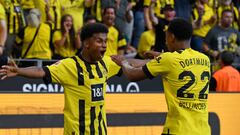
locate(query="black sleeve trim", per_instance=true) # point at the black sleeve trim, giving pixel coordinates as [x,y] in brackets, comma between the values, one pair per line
[3,61]
[47,78]
[122,47]
[213,84]
[147,73]
[120,72]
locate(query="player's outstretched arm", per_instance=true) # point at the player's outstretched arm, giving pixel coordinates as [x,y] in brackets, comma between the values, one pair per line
[131,72]
[30,72]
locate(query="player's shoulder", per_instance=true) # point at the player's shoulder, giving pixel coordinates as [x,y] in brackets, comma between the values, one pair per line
[201,55]
[66,61]
[113,29]
[107,60]
[192,52]
[167,55]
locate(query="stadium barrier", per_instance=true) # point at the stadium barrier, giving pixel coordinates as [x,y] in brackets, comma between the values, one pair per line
[128,114]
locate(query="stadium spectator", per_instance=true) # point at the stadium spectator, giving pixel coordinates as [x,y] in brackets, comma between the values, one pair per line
[89,19]
[15,22]
[76,9]
[161,26]
[35,39]
[50,10]
[157,6]
[183,8]
[84,80]
[95,9]
[226,79]
[185,73]
[139,22]
[222,37]
[3,29]
[66,41]
[27,5]
[128,30]
[146,43]
[228,5]
[203,19]
[116,43]
[121,11]
[3,35]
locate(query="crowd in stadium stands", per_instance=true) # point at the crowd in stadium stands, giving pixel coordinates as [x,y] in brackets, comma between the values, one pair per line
[49,29]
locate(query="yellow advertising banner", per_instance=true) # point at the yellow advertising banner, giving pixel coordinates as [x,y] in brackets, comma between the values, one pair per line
[150,108]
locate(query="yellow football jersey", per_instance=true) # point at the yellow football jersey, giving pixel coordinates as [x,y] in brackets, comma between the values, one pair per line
[203,30]
[146,43]
[54,11]
[85,89]
[76,9]
[159,4]
[14,15]
[185,75]
[115,41]
[40,47]
[67,50]
[2,13]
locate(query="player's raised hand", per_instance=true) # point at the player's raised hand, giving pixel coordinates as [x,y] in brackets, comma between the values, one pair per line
[8,71]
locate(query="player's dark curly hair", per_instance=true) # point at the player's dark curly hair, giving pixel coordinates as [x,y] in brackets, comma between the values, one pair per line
[181,29]
[89,29]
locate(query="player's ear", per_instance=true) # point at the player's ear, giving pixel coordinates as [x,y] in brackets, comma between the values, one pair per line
[86,43]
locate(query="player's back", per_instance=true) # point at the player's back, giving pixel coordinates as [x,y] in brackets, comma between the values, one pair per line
[186,89]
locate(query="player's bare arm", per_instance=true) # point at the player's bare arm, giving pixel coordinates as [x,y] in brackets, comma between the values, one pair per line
[30,72]
[133,73]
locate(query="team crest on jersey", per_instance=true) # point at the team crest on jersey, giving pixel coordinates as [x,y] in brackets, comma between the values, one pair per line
[97,92]
[158,59]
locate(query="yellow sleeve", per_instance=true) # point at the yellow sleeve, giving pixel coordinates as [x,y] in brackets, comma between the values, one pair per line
[57,36]
[59,71]
[122,43]
[146,3]
[159,65]
[113,68]
[2,12]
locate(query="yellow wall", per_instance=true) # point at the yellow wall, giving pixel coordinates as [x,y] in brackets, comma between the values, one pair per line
[225,105]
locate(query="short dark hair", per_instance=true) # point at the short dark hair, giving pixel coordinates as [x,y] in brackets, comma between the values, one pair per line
[89,29]
[108,7]
[227,57]
[168,7]
[89,17]
[225,11]
[181,29]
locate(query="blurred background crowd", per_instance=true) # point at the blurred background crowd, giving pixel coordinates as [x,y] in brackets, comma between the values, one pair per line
[49,29]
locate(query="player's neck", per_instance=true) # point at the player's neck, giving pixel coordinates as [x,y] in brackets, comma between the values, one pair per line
[182,45]
[86,57]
